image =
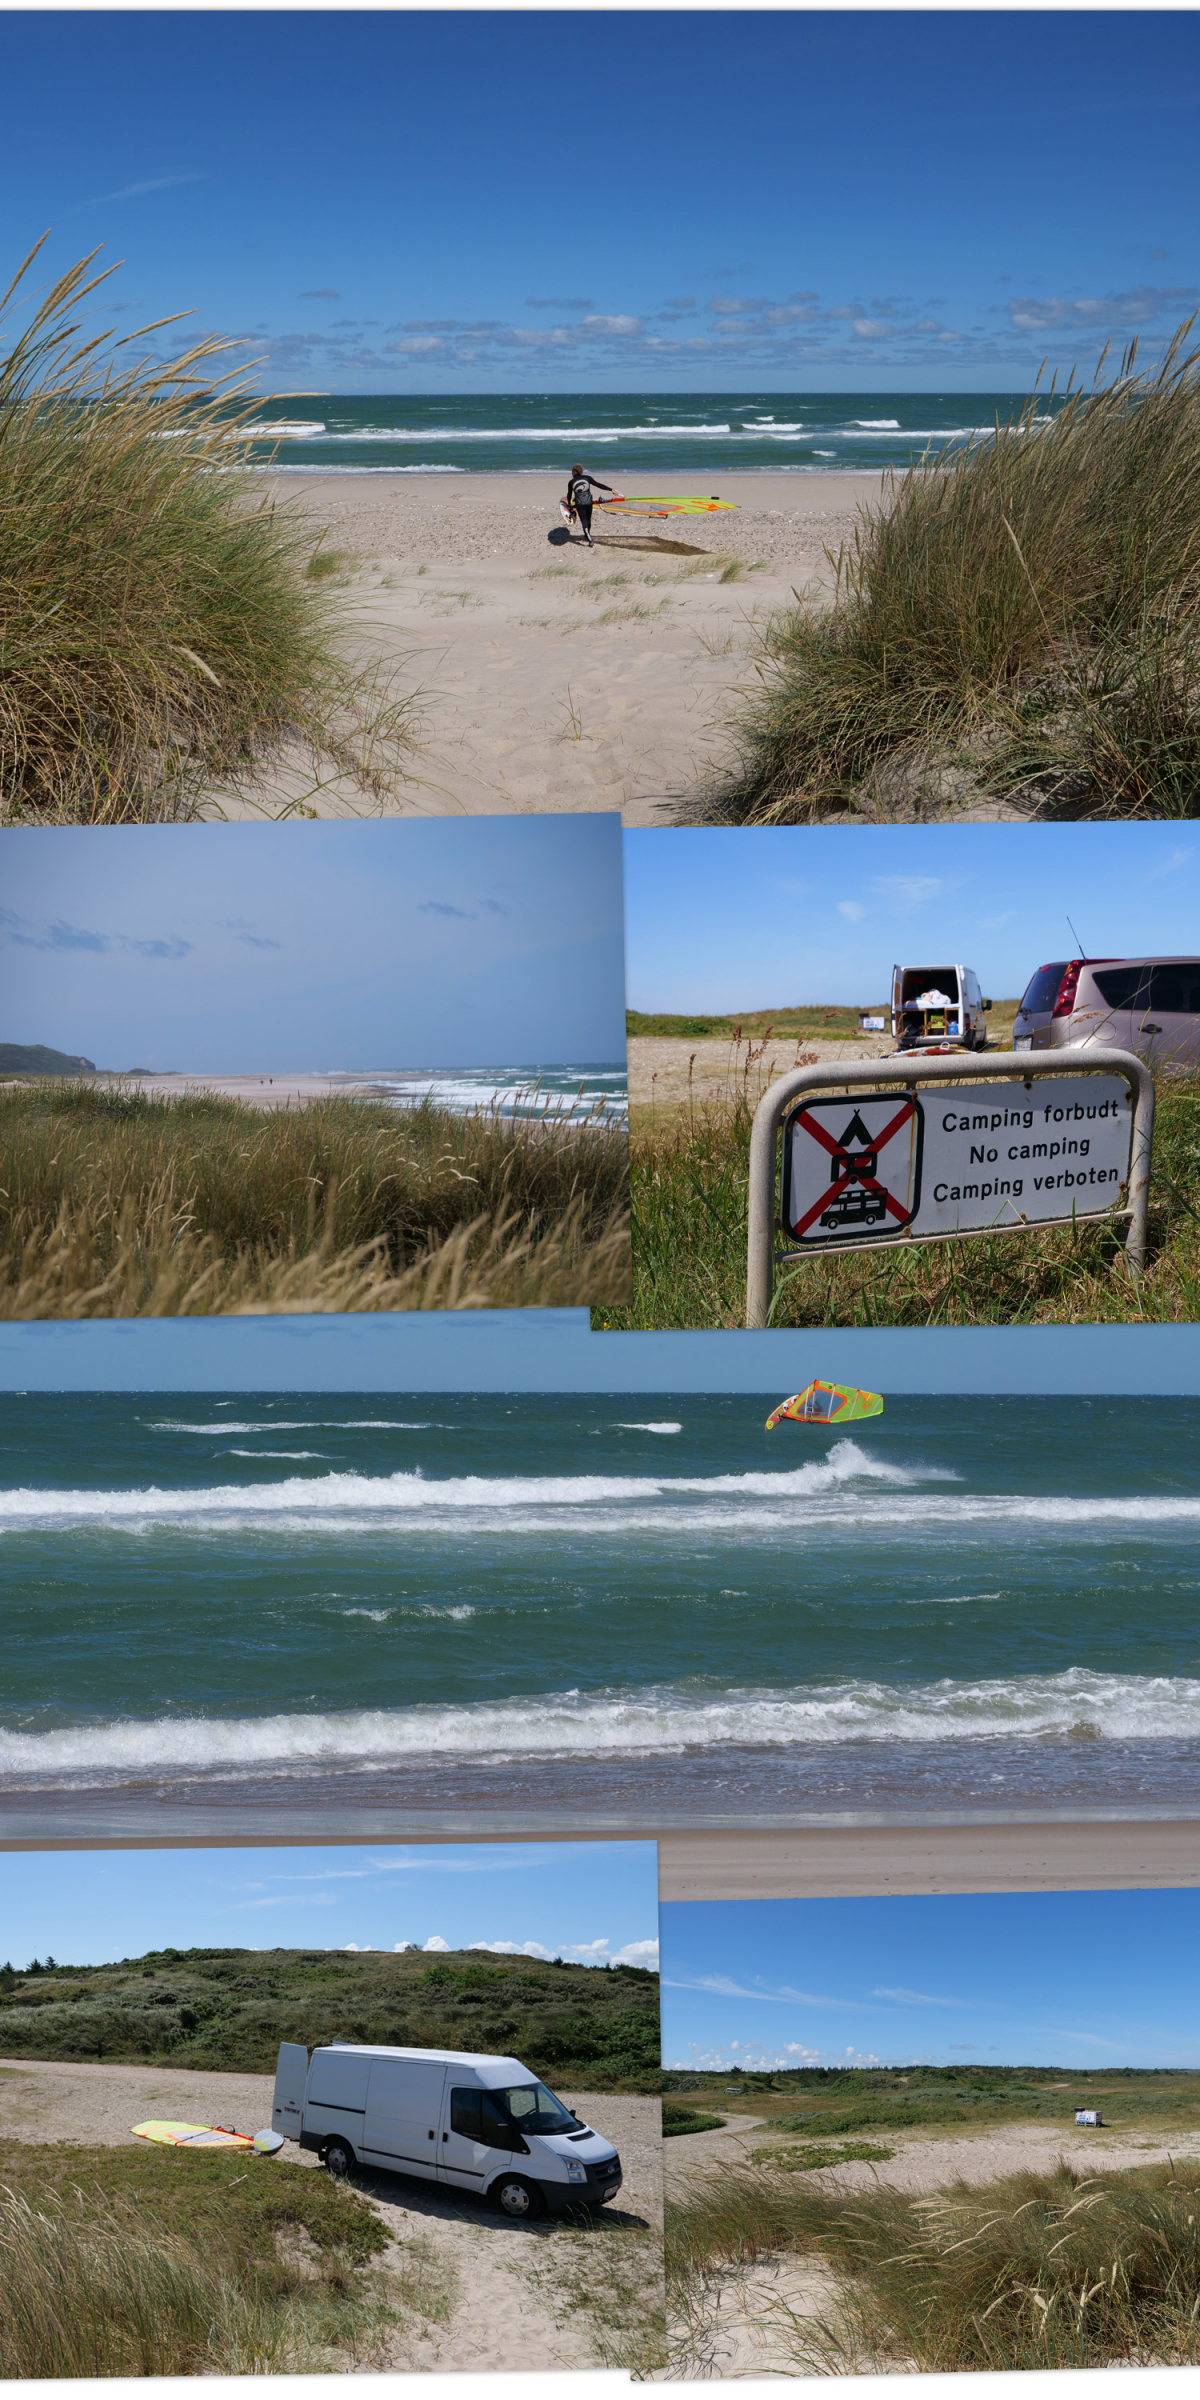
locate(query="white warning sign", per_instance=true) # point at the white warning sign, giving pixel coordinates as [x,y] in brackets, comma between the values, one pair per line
[851,1168]
[1005,1155]
[962,1158]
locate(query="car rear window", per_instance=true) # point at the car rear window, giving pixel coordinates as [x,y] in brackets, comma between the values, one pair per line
[1171,989]
[1043,991]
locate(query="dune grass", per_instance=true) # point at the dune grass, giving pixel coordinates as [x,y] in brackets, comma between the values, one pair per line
[119,1204]
[162,629]
[689,1176]
[129,2261]
[1031,2270]
[1026,608]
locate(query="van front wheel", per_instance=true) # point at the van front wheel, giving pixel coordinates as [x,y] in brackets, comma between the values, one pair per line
[338,2158]
[517,2198]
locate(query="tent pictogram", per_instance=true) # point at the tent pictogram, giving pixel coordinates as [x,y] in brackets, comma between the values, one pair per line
[846,1186]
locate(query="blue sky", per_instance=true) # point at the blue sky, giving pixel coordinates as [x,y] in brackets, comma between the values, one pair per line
[763,917]
[591,1901]
[1070,1979]
[394,201]
[420,942]
[552,1350]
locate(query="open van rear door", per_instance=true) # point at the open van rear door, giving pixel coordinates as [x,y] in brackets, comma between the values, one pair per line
[291,2076]
[897,996]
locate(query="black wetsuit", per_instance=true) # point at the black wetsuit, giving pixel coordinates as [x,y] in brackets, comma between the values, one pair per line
[579,497]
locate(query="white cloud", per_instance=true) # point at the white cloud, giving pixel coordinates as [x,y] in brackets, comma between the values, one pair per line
[435,1942]
[637,1954]
[886,1991]
[851,910]
[907,891]
[1136,307]
[516,1949]
[874,329]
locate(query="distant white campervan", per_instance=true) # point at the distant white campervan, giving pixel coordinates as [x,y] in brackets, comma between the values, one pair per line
[451,2116]
[938,1008]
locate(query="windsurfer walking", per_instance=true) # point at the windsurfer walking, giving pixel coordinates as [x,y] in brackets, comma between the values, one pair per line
[579,498]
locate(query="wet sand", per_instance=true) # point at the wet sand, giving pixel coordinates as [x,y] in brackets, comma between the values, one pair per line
[754,1861]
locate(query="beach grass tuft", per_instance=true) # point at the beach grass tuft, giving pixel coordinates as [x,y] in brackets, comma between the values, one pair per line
[689,1172]
[1029,2271]
[120,1204]
[164,627]
[113,2262]
[1025,611]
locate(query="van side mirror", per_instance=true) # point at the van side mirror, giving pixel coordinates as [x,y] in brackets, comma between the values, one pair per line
[987,1004]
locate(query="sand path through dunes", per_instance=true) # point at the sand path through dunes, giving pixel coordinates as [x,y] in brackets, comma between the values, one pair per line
[512,2305]
[740,2322]
[553,678]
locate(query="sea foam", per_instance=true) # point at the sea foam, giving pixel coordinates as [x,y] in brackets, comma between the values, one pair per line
[660,1719]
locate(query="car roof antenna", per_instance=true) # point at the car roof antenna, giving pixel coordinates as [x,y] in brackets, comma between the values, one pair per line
[1078,944]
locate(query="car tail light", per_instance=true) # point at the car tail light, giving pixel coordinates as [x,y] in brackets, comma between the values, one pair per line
[1067,989]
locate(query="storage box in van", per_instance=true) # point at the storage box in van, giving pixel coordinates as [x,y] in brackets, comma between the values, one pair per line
[938,1008]
[484,2124]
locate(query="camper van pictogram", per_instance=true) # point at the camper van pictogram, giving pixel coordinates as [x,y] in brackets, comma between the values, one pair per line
[850,1168]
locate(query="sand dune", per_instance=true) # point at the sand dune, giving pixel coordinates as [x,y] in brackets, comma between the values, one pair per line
[504,2314]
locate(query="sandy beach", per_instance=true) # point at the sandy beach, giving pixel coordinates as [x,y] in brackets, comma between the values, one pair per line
[266,1091]
[507,2312]
[553,678]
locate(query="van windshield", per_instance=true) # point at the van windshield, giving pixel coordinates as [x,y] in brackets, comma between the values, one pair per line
[535,2110]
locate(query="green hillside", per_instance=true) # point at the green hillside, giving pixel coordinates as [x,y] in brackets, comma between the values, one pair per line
[32,1058]
[823,2101]
[593,2027]
[827,1024]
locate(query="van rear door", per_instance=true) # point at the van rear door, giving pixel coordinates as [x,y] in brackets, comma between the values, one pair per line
[291,2075]
[897,1000]
[403,2120]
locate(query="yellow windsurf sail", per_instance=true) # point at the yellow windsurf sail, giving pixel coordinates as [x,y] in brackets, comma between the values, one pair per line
[827,1404]
[192,2137]
[671,504]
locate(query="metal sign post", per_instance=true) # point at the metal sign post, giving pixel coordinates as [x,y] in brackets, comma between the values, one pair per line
[934,1149]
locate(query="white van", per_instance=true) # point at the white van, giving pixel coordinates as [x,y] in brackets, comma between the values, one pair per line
[938,1008]
[484,2124]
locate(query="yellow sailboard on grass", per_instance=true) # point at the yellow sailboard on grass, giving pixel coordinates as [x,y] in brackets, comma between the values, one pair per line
[178,2136]
[827,1404]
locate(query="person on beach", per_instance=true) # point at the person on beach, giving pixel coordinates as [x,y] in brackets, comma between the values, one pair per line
[579,498]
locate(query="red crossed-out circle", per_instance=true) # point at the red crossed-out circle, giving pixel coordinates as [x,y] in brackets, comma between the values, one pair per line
[868,1182]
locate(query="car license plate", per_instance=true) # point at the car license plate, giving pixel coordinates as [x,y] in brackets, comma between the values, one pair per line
[1023,1041]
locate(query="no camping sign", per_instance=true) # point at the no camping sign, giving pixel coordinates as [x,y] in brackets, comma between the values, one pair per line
[869,1167]
[852,1168]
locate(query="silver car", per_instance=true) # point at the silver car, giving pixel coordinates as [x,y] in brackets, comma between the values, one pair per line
[1148,1005]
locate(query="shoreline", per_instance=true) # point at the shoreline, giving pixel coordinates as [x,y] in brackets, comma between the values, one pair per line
[901,1857]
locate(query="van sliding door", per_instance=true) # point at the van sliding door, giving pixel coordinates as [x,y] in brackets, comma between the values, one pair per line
[404,2115]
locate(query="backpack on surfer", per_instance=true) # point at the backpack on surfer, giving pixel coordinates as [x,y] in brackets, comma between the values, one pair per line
[578,502]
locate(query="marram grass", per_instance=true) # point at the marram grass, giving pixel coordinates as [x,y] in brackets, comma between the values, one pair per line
[1032,2270]
[160,633]
[1026,609]
[689,1172]
[116,1204]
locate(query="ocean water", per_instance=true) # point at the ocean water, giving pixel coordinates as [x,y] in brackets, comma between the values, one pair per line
[629,433]
[572,1094]
[614,1604]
